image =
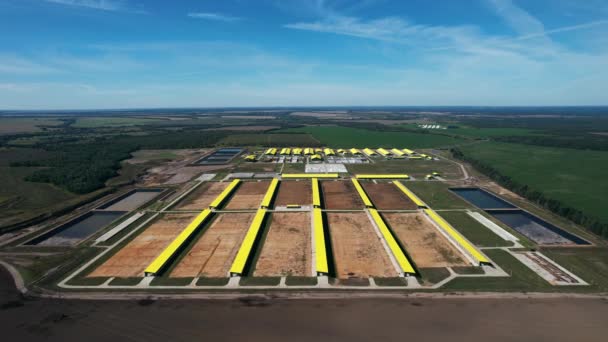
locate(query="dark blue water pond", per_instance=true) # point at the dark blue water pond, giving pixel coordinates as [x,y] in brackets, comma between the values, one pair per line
[482,199]
[535,228]
[77,229]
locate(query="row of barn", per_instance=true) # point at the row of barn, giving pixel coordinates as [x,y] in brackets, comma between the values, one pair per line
[309,151]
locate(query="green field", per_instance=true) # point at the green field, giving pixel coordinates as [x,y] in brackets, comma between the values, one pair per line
[575,177]
[25,125]
[437,195]
[248,139]
[93,122]
[345,137]
[489,132]
[473,230]
[415,168]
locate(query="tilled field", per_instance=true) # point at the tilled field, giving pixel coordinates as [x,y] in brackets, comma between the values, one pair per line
[132,259]
[294,192]
[287,249]
[340,195]
[422,241]
[249,195]
[358,252]
[213,254]
[386,196]
[202,196]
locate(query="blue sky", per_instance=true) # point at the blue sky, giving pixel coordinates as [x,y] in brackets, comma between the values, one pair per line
[74,54]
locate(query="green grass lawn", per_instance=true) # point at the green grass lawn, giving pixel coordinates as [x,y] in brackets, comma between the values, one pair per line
[473,230]
[437,195]
[415,168]
[590,264]
[575,177]
[345,137]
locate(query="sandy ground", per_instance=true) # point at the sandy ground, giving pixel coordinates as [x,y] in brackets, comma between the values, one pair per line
[357,250]
[132,259]
[249,195]
[294,192]
[340,195]
[202,196]
[386,196]
[423,242]
[214,252]
[287,249]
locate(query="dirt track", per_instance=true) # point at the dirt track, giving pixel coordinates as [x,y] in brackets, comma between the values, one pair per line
[249,195]
[386,196]
[214,252]
[287,249]
[340,195]
[292,192]
[132,259]
[357,250]
[423,242]
[202,196]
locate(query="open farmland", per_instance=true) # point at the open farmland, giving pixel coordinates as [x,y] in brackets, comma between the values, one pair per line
[131,260]
[25,125]
[568,175]
[386,196]
[248,195]
[94,122]
[287,248]
[202,196]
[294,192]
[345,137]
[423,242]
[213,253]
[246,139]
[340,195]
[358,252]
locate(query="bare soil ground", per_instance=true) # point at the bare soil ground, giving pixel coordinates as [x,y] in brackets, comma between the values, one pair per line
[423,242]
[214,252]
[340,195]
[357,250]
[132,259]
[287,249]
[202,196]
[249,195]
[386,196]
[294,192]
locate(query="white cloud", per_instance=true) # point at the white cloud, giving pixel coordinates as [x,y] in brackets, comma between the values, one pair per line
[23,66]
[213,16]
[102,5]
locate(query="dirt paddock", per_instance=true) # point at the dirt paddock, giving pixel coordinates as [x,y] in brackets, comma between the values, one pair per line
[294,192]
[202,196]
[357,249]
[386,196]
[423,242]
[287,249]
[249,195]
[132,259]
[340,195]
[213,254]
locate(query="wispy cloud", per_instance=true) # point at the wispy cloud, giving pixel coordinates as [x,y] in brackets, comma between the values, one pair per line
[102,5]
[213,16]
[23,66]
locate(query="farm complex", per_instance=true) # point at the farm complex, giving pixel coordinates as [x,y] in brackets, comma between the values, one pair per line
[348,218]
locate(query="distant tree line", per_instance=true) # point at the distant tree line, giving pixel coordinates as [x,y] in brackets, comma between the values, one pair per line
[577,216]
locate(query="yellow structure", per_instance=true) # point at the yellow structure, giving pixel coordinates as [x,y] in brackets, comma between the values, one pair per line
[479,258]
[397,152]
[309,175]
[271,151]
[250,157]
[369,152]
[316,157]
[316,193]
[386,176]
[297,151]
[244,252]
[404,264]
[362,194]
[410,194]
[167,254]
[220,199]
[406,151]
[341,150]
[266,201]
[355,152]
[329,152]
[285,151]
[293,206]
[318,150]
[320,248]
[309,151]
[383,152]
[415,157]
